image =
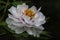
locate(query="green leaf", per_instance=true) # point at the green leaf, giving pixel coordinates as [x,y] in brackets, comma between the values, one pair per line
[4,24]
[16,3]
[44,37]
[21,36]
[47,19]
[24,34]
[46,34]
[2,31]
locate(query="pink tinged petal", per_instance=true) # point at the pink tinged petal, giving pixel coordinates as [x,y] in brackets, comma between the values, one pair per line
[27,20]
[34,9]
[13,18]
[26,24]
[15,21]
[13,11]
[19,30]
[18,24]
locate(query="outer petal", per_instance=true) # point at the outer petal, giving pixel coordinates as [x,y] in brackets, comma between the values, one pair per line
[13,18]
[9,21]
[13,27]
[39,27]
[33,31]
[39,19]
[16,29]
[29,31]
[13,11]
[19,30]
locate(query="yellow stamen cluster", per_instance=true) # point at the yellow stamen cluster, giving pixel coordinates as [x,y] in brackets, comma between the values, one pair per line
[29,13]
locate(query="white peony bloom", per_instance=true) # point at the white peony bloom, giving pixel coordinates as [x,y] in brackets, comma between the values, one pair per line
[26,19]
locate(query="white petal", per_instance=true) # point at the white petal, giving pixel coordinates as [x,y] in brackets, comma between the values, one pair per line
[13,11]
[33,31]
[13,18]
[27,20]
[39,15]
[19,30]
[39,27]
[12,27]
[9,21]
[38,23]
[29,31]
[39,19]
[42,17]
[18,24]
[36,31]
[21,8]
[34,9]
[39,9]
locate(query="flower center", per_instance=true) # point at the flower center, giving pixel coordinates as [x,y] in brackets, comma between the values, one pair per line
[29,13]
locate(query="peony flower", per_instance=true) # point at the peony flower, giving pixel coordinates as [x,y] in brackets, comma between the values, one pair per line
[26,19]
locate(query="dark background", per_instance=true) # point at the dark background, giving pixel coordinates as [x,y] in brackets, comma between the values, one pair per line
[51,9]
